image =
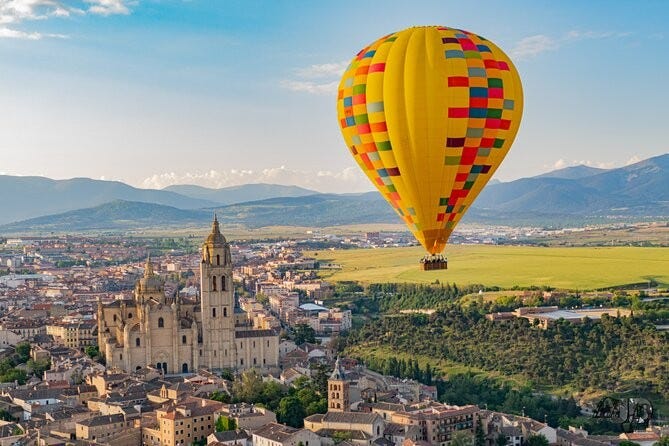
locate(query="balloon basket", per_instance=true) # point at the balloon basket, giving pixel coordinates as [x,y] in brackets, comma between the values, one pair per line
[433,263]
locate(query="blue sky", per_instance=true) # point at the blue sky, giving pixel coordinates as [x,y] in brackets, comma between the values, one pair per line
[221,92]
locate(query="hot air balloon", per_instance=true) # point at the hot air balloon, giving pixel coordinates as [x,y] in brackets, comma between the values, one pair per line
[429,113]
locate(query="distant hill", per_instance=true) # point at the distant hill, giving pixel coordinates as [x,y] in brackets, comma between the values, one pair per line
[313,210]
[636,192]
[26,197]
[573,172]
[641,189]
[240,194]
[115,215]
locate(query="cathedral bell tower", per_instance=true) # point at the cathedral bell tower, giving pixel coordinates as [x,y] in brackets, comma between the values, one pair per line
[218,302]
[338,390]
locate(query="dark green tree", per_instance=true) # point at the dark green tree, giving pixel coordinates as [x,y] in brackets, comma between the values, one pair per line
[536,440]
[303,333]
[291,412]
[224,423]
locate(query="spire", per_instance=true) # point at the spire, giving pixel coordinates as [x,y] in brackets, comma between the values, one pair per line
[215,238]
[338,372]
[215,229]
[148,268]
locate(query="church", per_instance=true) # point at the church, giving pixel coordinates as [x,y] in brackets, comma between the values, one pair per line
[177,335]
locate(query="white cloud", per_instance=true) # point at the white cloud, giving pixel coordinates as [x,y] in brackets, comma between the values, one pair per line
[8,33]
[15,12]
[633,160]
[326,70]
[108,7]
[559,164]
[350,179]
[562,163]
[327,88]
[319,79]
[532,46]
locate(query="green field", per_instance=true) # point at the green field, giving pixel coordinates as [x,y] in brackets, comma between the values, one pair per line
[507,266]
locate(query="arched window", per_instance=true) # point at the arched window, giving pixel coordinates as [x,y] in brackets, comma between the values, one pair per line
[225,311]
[137,341]
[218,259]
[161,322]
[222,283]
[129,315]
[213,283]
[183,339]
[114,318]
[184,368]
[213,312]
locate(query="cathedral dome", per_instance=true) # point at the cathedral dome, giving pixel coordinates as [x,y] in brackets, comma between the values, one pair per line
[150,281]
[216,239]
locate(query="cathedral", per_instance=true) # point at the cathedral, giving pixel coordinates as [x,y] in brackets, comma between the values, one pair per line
[178,335]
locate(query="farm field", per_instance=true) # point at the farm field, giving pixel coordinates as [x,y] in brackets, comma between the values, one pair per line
[506,266]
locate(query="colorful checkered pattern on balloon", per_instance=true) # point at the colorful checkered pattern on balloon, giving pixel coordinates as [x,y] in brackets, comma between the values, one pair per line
[488,113]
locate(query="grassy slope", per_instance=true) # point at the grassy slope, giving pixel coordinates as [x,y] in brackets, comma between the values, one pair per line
[507,266]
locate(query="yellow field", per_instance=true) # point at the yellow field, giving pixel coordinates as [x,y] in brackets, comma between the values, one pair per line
[507,266]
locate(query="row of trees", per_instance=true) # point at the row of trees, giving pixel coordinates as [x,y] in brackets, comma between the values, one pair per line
[9,371]
[614,354]
[291,404]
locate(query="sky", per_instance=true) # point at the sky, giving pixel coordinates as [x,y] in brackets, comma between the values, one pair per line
[220,93]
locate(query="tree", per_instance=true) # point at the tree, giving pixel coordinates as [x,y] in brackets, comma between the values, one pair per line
[501,440]
[461,438]
[663,441]
[23,352]
[291,412]
[93,351]
[303,333]
[221,396]
[479,435]
[224,423]
[537,440]
[628,443]
[339,436]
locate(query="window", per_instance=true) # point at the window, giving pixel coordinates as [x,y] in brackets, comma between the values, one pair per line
[183,339]
[254,361]
[137,342]
[114,318]
[254,344]
[161,322]
[225,311]
[213,312]
[218,259]
[213,283]
[120,356]
[129,315]
[223,283]
[241,362]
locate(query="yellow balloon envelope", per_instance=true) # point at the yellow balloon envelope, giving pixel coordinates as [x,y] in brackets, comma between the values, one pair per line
[429,114]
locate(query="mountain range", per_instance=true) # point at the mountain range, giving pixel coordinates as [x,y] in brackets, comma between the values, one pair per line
[566,196]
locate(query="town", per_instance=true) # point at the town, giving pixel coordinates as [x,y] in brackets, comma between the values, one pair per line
[215,330]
